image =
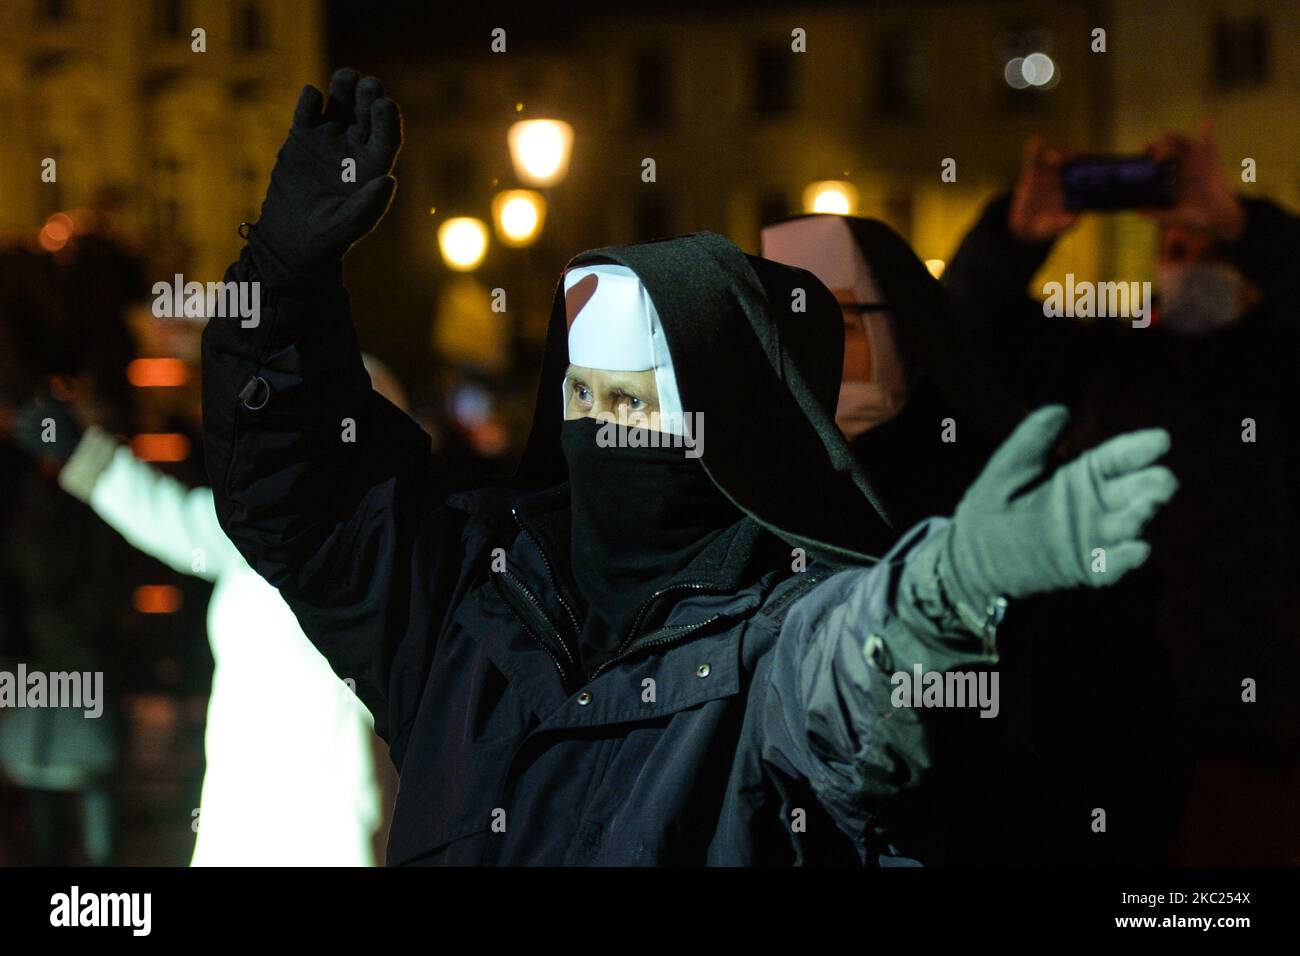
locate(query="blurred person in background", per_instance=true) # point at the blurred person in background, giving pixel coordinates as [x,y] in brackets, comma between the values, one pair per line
[916,408]
[59,565]
[62,302]
[922,414]
[304,796]
[1219,607]
[462,410]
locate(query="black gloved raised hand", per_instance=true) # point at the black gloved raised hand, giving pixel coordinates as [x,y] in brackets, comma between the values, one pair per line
[46,428]
[318,204]
[1016,533]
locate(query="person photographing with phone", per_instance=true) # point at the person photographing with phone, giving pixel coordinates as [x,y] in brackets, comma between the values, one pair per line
[1214,615]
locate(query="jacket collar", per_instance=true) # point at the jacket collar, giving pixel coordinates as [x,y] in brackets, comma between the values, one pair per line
[736,557]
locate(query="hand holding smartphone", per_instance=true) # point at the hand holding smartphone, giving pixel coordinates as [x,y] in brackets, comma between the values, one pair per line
[1119,182]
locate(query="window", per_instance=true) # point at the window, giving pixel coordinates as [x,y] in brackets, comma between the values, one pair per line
[248,27]
[898,75]
[454,94]
[651,89]
[1241,52]
[53,11]
[168,18]
[773,80]
[166,212]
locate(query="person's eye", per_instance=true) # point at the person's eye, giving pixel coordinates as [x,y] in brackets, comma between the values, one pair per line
[635,402]
[581,393]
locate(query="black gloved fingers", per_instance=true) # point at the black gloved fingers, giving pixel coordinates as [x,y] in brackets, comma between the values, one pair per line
[385,132]
[364,208]
[343,91]
[368,90]
[1127,452]
[1156,483]
[308,111]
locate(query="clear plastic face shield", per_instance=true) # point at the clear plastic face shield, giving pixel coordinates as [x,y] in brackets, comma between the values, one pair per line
[874,386]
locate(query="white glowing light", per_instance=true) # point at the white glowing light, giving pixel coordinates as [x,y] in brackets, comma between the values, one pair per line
[1014,73]
[518,215]
[463,242]
[1037,69]
[831,196]
[540,150]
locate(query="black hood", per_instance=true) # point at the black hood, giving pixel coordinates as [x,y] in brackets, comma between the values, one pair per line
[766,380]
[924,321]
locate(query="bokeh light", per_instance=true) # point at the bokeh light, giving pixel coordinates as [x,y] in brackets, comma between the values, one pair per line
[831,196]
[463,241]
[539,149]
[518,215]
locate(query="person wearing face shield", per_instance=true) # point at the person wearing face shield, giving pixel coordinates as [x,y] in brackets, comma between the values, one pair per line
[1215,614]
[661,642]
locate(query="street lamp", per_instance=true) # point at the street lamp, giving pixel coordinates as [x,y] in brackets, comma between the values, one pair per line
[831,196]
[463,242]
[518,215]
[539,149]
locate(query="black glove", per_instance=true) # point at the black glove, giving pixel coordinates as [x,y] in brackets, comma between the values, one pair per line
[312,215]
[45,428]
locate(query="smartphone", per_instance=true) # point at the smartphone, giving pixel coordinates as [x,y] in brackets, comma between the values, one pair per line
[1118,182]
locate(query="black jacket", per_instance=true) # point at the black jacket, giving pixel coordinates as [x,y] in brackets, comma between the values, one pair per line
[1166,651]
[743,724]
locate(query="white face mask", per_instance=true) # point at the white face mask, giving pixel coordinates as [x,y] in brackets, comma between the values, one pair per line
[864,405]
[824,245]
[1199,297]
[614,326]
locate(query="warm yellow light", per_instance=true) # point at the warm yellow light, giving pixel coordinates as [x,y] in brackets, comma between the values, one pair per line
[936,266]
[832,196]
[463,242]
[540,149]
[156,599]
[56,232]
[160,446]
[518,215]
[157,372]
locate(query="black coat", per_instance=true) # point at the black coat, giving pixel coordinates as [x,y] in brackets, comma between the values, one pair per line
[1160,681]
[743,723]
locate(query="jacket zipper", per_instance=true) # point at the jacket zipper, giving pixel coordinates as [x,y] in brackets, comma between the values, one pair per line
[523,588]
[628,648]
[550,574]
[686,631]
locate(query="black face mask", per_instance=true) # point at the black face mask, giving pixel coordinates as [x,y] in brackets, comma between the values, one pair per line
[638,518]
